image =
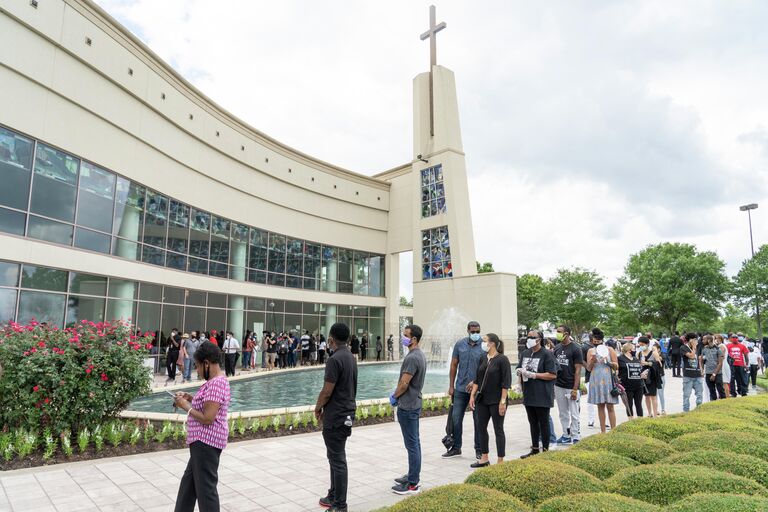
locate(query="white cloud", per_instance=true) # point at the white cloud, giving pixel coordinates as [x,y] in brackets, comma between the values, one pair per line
[591,129]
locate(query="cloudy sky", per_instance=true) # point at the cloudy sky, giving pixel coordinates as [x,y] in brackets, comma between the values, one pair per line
[591,128]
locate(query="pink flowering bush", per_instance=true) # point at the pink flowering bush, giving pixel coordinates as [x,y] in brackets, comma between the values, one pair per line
[68,379]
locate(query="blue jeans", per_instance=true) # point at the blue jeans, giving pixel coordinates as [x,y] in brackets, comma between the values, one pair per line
[188,369]
[460,403]
[247,359]
[552,436]
[698,388]
[409,426]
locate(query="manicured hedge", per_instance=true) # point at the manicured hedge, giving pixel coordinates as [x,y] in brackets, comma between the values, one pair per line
[721,503]
[596,502]
[664,429]
[534,480]
[600,463]
[738,464]
[644,450]
[460,498]
[663,484]
[738,442]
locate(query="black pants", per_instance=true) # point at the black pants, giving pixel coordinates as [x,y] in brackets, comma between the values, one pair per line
[335,447]
[635,397]
[378,355]
[753,374]
[321,356]
[740,379]
[538,419]
[484,414]
[716,389]
[282,360]
[676,365]
[230,360]
[170,363]
[200,480]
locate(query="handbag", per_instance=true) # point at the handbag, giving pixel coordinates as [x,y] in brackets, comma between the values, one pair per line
[448,440]
[479,394]
[616,387]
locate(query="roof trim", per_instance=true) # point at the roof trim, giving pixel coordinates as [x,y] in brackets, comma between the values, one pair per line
[106,22]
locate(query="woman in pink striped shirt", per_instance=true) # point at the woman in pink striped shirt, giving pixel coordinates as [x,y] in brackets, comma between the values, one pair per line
[207,432]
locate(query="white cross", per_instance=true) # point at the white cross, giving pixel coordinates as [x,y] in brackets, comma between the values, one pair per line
[431,34]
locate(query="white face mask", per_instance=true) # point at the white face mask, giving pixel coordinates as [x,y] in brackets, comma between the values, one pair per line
[485,347]
[531,342]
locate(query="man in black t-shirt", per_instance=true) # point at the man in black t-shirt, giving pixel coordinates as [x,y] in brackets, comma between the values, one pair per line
[336,409]
[569,363]
[675,343]
[692,372]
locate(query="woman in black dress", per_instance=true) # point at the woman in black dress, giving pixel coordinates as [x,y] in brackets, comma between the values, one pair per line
[489,397]
[652,374]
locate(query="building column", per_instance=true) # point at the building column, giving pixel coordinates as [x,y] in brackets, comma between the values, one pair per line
[392,288]
[238,254]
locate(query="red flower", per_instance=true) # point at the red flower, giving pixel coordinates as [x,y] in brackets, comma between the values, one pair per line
[35,388]
[33,350]
[41,344]
[104,377]
[148,346]
[47,400]
[87,370]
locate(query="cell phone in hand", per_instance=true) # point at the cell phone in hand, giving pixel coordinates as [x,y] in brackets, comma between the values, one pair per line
[173,395]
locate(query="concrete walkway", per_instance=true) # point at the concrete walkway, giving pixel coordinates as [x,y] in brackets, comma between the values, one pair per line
[279,474]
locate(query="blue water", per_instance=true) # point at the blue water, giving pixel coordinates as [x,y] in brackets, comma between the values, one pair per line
[288,389]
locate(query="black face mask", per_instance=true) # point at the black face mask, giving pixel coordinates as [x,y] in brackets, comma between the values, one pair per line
[207,372]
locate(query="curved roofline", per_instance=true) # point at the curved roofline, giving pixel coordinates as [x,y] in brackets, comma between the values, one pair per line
[98,15]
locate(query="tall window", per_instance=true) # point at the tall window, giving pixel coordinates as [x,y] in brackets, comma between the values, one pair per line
[432,191]
[436,253]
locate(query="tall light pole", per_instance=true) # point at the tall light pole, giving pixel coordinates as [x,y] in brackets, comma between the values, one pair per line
[274,325]
[748,208]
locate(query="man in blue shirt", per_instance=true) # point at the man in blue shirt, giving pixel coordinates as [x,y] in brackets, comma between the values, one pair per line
[467,353]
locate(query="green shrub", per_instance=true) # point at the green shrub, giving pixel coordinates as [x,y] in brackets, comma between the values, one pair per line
[599,463]
[459,498]
[738,442]
[664,429]
[738,464]
[644,450]
[48,374]
[534,480]
[663,484]
[721,503]
[595,502]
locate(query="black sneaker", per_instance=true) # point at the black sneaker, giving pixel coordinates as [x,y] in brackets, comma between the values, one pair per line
[406,488]
[337,509]
[402,480]
[453,452]
[326,502]
[534,451]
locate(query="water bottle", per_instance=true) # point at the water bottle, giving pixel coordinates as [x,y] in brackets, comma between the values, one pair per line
[348,422]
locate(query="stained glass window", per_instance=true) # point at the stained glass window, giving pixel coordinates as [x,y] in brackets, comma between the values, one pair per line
[432,191]
[436,253]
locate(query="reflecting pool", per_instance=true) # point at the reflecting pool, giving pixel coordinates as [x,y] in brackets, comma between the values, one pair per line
[288,389]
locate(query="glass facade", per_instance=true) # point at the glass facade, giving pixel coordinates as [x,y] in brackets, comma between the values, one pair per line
[436,253]
[432,191]
[50,195]
[63,298]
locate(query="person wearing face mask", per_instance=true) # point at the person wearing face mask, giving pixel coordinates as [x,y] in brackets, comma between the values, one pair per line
[602,366]
[207,432]
[629,375]
[692,372]
[738,353]
[591,409]
[231,349]
[569,363]
[489,397]
[537,371]
[407,399]
[713,367]
[651,374]
[467,354]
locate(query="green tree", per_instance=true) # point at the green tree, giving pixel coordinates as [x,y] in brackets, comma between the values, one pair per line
[622,321]
[734,319]
[530,288]
[484,267]
[670,283]
[405,302]
[576,297]
[750,286]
